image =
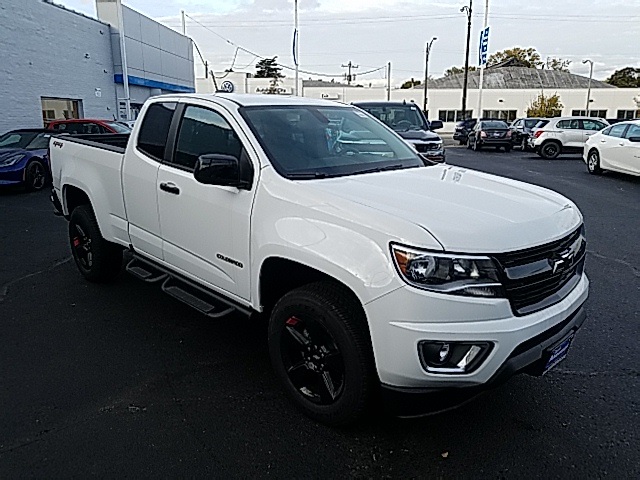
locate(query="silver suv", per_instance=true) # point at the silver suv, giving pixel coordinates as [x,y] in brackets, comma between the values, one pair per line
[564,135]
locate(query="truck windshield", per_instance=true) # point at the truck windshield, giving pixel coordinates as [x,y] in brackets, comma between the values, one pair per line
[399,117]
[305,142]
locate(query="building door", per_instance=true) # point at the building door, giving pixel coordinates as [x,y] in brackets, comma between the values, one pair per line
[60,109]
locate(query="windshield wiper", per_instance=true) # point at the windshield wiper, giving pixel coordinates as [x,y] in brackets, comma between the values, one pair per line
[306,175]
[380,169]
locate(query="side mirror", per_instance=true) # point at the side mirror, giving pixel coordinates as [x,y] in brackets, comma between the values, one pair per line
[634,139]
[217,169]
[435,124]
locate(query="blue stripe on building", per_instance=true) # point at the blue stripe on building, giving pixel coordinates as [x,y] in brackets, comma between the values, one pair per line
[144,82]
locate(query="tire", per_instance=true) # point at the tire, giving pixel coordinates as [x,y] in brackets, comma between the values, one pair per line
[98,260]
[593,163]
[321,351]
[550,150]
[507,149]
[35,176]
[461,142]
[476,146]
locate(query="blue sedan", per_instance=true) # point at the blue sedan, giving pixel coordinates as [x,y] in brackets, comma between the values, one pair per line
[24,159]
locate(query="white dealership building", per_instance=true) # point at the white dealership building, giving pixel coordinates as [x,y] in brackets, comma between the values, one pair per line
[508,92]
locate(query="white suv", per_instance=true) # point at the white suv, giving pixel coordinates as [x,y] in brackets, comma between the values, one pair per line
[564,135]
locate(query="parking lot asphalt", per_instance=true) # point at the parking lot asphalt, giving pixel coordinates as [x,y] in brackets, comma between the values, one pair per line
[122,381]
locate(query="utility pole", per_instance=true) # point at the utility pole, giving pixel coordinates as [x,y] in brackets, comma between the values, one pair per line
[349,76]
[426,73]
[295,45]
[469,11]
[184,23]
[586,112]
[388,81]
[482,67]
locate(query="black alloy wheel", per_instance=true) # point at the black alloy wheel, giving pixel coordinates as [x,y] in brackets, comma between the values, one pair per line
[97,259]
[312,360]
[321,351]
[35,176]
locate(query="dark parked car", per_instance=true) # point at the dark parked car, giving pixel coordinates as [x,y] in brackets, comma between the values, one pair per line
[464,128]
[408,121]
[88,126]
[521,130]
[490,133]
[24,159]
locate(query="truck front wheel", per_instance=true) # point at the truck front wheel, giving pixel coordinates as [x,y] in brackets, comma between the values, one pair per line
[97,259]
[321,351]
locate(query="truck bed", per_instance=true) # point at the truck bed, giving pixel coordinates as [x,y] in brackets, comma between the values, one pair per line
[115,142]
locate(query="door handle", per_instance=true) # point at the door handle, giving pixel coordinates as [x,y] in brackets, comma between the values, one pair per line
[170,187]
[603,141]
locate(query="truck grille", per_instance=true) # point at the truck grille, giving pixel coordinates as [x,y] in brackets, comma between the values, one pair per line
[425,147]
[538,277]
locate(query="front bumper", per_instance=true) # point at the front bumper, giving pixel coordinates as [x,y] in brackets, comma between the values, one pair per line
[527,357]
[12,175]
[426,316]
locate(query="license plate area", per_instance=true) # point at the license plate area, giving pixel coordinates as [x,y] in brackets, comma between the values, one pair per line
[558,352]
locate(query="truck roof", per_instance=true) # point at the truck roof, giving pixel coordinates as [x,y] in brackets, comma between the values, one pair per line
[245,99]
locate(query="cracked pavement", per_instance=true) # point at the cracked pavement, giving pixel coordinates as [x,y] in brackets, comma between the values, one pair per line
[121,380]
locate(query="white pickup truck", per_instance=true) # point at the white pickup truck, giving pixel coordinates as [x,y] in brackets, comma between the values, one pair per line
[381,275]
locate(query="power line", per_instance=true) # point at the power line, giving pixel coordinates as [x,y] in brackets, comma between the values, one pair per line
[238,47]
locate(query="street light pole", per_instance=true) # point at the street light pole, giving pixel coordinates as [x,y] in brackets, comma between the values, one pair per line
[586,112]
[426,73]
[466,60]
[296,50]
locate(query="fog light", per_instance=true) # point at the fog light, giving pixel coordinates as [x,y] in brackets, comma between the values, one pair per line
[452,357]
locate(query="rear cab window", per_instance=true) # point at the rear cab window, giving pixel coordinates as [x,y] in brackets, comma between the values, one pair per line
[154,130]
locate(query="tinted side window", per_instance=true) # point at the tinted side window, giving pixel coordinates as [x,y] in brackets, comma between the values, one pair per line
[616,131]
[592,125]
[154,130]
[202,132]
[563,124]
[634,131]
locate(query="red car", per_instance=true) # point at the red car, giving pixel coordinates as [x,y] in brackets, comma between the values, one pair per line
[87,125]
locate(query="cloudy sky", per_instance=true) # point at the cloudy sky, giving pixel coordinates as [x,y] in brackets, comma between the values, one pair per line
[371,33]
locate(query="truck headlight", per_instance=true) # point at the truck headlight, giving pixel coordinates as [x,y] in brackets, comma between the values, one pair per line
[473,276]
[12,160]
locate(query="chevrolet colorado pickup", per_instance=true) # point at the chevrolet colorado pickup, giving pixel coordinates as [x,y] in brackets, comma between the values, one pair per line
[381,277]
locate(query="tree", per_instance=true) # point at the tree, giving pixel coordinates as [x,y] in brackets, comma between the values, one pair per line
[529,57]
[410,84]
[268,68]
[628,77]
[456,70]
[545,107]
[558,64]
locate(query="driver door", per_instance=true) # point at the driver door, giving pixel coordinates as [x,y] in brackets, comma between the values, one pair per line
[205,228]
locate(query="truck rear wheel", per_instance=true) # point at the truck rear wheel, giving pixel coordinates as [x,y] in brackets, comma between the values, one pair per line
[97,259]
[320,349]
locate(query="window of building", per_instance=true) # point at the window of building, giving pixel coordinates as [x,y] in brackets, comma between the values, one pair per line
[505,115]
[203,132]
[592,113]
[453,115]
[628,114]
[60,108]
[152,139]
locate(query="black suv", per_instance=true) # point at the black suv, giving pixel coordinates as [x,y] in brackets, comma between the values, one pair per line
[408,121]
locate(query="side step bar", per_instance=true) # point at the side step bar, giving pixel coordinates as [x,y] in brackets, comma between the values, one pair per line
[205,301]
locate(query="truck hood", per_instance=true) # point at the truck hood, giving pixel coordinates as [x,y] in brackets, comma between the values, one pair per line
[465,210]
[419,135]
